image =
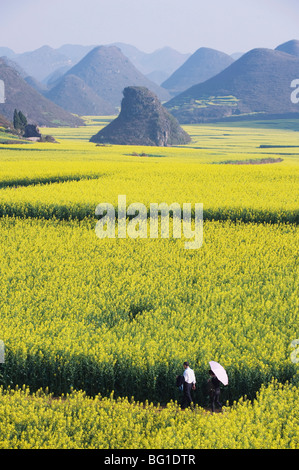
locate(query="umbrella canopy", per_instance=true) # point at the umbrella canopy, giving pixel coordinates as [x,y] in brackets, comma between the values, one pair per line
[219,371]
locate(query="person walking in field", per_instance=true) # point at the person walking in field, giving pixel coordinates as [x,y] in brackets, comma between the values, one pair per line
[214,390]
[188,385]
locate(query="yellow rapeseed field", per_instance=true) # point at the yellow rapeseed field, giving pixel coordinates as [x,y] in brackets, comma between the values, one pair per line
[75,421]
[88,317]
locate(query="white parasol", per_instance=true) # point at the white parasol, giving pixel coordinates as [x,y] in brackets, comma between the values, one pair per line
[219,371]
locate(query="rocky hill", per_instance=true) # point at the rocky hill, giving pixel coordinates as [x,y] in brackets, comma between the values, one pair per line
[290,47]
[258,84]
[202,65]
[142,121]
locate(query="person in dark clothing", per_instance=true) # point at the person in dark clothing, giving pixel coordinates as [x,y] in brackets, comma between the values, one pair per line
[180,382]
[188,385]
[187,399]
[214,390]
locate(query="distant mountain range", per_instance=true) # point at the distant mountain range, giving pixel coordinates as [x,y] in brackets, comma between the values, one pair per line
[55,86]
[256,85]
[199,67]
[6,52]
[157,65]
[75,96]
[88,80]
[93,86]
[107,71]
[45,61]
[41,62]
[37,109]
[290,47]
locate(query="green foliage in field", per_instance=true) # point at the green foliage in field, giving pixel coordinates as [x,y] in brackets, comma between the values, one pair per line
[78,422]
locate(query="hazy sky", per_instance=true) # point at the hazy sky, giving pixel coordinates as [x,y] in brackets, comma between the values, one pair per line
[186,25]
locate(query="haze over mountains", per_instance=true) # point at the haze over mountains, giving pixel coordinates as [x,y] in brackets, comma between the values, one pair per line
[101,73]
[259,83]
[38,109]
[108,71]
[51,85]
[202,65]
[156,66]
[41,62]
[44,61]
[75,96]
[290,47]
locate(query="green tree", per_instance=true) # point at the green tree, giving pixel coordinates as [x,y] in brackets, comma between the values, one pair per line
[16,120]
[23,120]
[19,121]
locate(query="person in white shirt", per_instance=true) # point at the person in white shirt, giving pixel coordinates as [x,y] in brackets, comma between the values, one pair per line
[189,384]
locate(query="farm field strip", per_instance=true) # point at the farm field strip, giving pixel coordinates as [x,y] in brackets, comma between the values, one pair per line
[246,192]
[79,422]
